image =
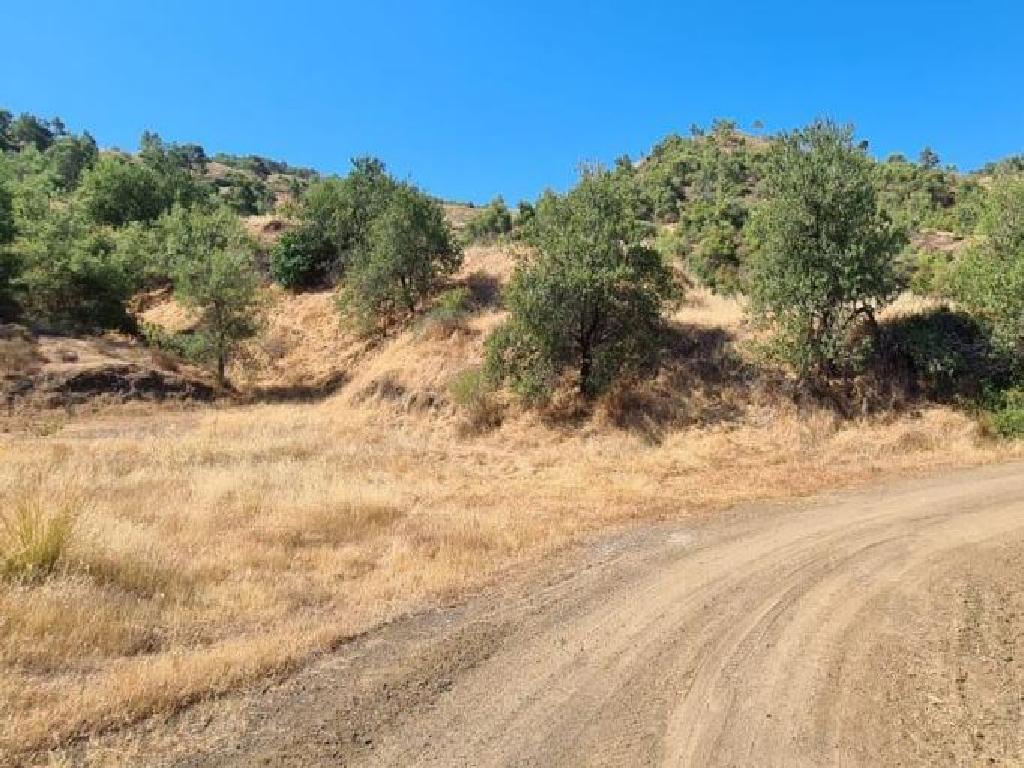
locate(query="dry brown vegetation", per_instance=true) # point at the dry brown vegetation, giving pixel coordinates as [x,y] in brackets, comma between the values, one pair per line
[154,557]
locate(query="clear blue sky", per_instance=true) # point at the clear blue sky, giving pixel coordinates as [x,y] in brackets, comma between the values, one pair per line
[472,99]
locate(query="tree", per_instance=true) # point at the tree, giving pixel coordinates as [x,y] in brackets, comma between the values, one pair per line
[8,260]
[71,275]
[495,220]
[28,129]
[213,271]
[335,218]
[175,167]
[408,251]
[989,278]
[116,191]
[928,159]
[69,156]
[822,253]
[588,301]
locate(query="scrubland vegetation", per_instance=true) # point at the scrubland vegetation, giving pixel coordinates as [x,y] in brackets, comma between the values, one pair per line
[407,407]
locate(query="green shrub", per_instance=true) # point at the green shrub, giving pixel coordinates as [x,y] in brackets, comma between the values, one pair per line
[302,258]
[945,353]
[822,253]
[589,302]
[450,309]
[115,191]
[408,251]
[493,221]
[1008,417]
[72,276]
[989,278]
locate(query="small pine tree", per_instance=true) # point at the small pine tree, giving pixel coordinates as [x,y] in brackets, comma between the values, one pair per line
[213,270]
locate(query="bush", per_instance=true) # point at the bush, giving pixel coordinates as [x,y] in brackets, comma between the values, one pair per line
[409,250]
[589,302]
[822,253]
[492,222]
[336,216]
[116,191]
[944,353]
[989,278]
[450,310]
[302,258]
[72,276]
[1008,417]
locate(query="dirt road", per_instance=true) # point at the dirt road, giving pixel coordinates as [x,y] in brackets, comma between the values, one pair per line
[883,627]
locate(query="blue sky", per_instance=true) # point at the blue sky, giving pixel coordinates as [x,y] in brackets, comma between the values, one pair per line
[472,99]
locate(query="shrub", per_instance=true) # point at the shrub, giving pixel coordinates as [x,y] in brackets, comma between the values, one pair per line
[115,191]
[588,302]
[945,353]
[822,253]
[409,250]
[1008,417]
[450,310]
[336,216]
[302,258]
[989,278]
[493,221]
[72,275]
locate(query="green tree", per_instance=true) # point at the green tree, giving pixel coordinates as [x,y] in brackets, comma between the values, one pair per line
[989,278]
[335,219]
[71,275]
[28,130]
[214,272]
[928,159]
[408,251]
[822,253]
[495,220]
[8,260]
[116,191]
[589,301]
[69,156]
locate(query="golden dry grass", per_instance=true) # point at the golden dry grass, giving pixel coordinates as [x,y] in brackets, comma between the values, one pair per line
[208,548]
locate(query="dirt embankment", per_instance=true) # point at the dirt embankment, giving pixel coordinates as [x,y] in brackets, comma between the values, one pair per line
[56,371]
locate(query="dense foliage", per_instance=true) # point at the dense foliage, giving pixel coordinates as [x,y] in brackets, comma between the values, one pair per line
[989,278]
[492,222]
[588,302]
[404,255]
[822,253]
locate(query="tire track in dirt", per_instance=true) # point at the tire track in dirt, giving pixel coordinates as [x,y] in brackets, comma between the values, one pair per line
[759,637]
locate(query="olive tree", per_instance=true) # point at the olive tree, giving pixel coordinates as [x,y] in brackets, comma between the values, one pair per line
[408,251]
[588,301]
[989,278]
[822,254]
[213,272]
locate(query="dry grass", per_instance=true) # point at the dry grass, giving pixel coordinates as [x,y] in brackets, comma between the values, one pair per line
[203,549]
[228,545]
